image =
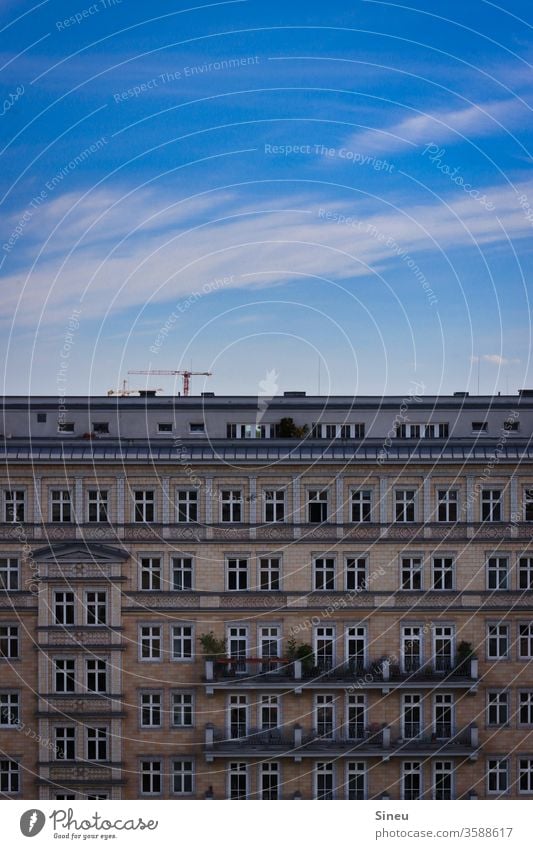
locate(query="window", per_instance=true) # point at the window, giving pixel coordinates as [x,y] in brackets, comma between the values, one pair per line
[238,646]
[196,427]
[356,647]
[443,715]
[270,573]
[324,780]
[443,573]
[65,743]
[96,675]
[528,505]
[447,500]
[238,780]
[237,717]
[144,505]
[96,607]
[181,573]
[427,431]
[317,506]
[60,505]
[231,505]
[497,573]
[525,775]
[443,647]
[9,776]
[97,744]
[182,642]
[249,431]
[498,642]
[356,573]
[182,777]
[41,418]
[404,505]
[411,573]
[237,573]
[511,424]
[479,427]
[497,707]
[182,710]
[274,505]
[187,504]
[324,573]
[269,713]
[339,431]
[411,648]
[63,608]
[411,716]
[324,647]
[361,505]
[150,642]
[9,710]
[497,775]
[525,707]
[269,645]
[164,427]
[356,779]
[9,642]
[269,780]
[411,780]
[525,641]
[14,505]
[65,675]
[151,777]
[98,504]
[150,573]
[443,780]
[356,716]
[65,427]
[525,573]
[9,573]
[491,505]
[151,704]
[100,427]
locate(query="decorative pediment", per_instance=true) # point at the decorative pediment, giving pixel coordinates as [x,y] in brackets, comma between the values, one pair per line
[80,552]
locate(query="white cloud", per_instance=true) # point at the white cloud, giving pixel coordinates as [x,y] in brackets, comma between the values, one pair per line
[495,359]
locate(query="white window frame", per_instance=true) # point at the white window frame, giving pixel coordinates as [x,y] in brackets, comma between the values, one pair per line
[62,499]
[272,499]
[324,768]
[99,500]
[324,570]
[97,672]
[405,503]
[405,772]
[449,771]
[189,504]
[183,695]
[357,768]
[315,495]
[493,504]
[10,702]
[96,604]
[361,566]
[9,574]
[269,570]
[12,637]
[95,732]
[415,572]
[184,565]
[238,768]
[65,674]
[151,773]
[525,569]
[494,570]
[152,706]
[361,499]
[449,502]
[184,773]
[233,500]
[184,638]
[156,634]
[521,770]
[151,568]
[500,625]
[143,500]
[14,499]
[237,572]
[444,571]
[528,637]
[502,702]
[500,769]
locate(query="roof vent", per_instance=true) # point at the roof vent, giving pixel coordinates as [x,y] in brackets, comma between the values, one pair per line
[147,393]
[525,393]
[461,394]
[294,394]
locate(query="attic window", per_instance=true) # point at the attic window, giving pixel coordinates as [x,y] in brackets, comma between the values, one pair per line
[164,427]
[480,427]
[41,418]
[511,424]
[100,427]
[197,427]
[65,427]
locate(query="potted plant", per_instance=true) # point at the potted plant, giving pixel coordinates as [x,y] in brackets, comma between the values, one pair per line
[214,648]
[287,429]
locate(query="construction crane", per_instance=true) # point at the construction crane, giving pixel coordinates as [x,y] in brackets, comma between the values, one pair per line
[185,373]
[123,392]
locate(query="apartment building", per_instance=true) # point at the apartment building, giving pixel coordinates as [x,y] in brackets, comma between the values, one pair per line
[285,598]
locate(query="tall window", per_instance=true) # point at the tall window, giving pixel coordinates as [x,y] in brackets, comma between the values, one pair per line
[497,775]
[411,573]
[97,744]
[182,642]
[274,505]
[14,505]
[525,641]
[98,504]
[144,505]
[237,717]
[525,707]
[498,642]
[443,715]
[356,573]
[151,777]
[187,504]
[324,573]
[404,505]
[443,573]
[65,675]
[9,642]
[525,775]
[270,573]
[65,743]
[447,500]
[269,712]
[96,607]
[411,648]
[231,505]
[96,675]
[269,643]
[182,710]
[9,776]
[237,573]
[491,505]
[361,505]
[324,780]
[238,646]
[182,777]
[60,505]
[356,647]
[497,707]
[9,710]
[317,506]
[356,775]
[150,573]
[525,573]
[9,573]
[497,573]
[528,505]
[151,704]
[238,780]
[150,642]
[324,647]
[411,780]
[182,573]
[325,715]
[269,781]
[411,716]
[356,716]
[443,780]
[443,647]
[64,608]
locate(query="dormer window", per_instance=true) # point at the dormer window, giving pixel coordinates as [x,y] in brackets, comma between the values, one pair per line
[479,427]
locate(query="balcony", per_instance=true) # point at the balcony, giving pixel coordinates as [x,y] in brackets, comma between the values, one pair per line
[375,741]
[276,673]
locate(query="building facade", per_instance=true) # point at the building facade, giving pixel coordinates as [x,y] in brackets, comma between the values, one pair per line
[282,598]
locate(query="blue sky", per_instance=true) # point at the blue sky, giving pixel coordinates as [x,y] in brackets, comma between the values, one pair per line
[254,188]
